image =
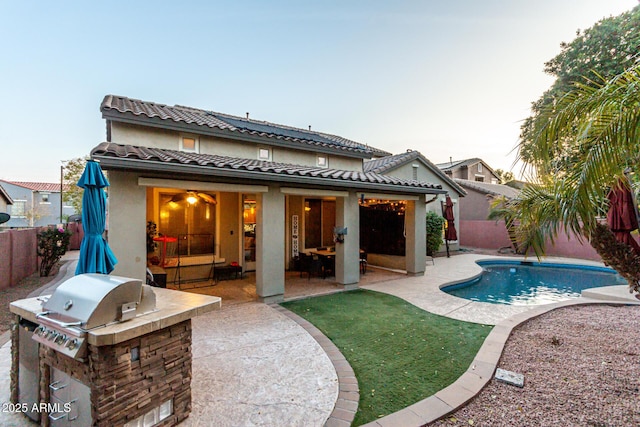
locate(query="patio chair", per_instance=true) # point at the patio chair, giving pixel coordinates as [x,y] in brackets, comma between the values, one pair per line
[328,266]
[363,262]
[310,264]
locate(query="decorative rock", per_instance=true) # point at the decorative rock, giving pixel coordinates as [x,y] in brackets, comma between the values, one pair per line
[509,377]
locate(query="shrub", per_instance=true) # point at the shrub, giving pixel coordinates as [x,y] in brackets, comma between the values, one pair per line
[52,244]
[434,232]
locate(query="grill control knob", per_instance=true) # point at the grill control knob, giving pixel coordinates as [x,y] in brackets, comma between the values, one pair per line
[72,344]
[53,337]
[39,330]
[60,338]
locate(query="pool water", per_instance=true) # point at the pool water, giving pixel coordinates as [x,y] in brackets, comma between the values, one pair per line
[532,283]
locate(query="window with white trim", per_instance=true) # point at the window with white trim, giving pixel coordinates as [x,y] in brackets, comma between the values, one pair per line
[19,209]
[479,167]
[44,198]
[190,144]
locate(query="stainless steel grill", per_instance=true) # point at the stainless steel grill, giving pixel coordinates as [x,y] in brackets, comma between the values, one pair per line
[89,301]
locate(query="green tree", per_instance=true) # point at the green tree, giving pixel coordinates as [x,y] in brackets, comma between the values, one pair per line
[505,176]
[609,47]
[435,223]
[72,171]
[581,147]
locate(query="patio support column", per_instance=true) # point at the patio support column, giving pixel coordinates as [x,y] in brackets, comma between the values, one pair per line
[270,250]
[127,224]
[416,240]
[348,253]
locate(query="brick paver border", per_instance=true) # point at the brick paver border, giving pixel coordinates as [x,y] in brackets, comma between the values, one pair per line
[348,392]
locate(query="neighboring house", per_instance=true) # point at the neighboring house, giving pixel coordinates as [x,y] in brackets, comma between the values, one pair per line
[412,165]
[470,169]
[234,189]
[5,200]
[35,204]
[476,204]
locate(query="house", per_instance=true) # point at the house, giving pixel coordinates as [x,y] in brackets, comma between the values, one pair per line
[470,169]
[5,200]
[412,165]
[35,204]
[477,203]
[223,189]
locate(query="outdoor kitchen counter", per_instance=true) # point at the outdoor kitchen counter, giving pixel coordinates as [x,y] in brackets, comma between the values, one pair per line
[172,307]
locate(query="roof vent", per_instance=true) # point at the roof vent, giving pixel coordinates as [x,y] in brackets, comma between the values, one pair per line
[309,127]
[247,115]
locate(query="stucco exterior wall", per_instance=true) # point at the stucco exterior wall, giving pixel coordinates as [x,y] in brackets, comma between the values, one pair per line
[474,206]
[127,224]
[470,172]
[493,235]
[122,133]
[3,205]
[348,252]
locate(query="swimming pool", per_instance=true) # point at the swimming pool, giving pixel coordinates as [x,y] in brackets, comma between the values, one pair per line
[532,283]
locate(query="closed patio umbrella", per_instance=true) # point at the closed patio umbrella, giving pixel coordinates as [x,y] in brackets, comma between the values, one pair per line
[95,254]
[450,232]
[622,217]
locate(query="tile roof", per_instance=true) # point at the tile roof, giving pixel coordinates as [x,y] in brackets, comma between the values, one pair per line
[487,188]
[37,186]
[458,163]
[200,120]
[385,164]
[113,156]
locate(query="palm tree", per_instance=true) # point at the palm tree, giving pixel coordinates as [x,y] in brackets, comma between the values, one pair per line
[581,148]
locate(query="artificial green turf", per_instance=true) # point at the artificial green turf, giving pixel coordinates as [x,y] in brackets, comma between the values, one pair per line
[400,353]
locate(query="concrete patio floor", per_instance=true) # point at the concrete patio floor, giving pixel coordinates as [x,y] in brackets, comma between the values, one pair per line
[255,366]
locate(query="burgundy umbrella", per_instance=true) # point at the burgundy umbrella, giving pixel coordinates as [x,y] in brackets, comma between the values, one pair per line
[450,232]
[622,218]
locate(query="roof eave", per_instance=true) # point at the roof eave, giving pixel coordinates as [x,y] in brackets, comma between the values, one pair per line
[130,164]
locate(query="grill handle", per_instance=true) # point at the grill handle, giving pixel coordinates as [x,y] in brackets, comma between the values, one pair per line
[59,417]
[53,385]
[57,322]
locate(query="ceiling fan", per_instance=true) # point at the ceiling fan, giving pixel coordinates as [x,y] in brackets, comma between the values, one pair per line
[193,197]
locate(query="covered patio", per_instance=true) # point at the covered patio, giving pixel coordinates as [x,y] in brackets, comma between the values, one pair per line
[297,285]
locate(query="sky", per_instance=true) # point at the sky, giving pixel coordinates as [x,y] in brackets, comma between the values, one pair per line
[451,79]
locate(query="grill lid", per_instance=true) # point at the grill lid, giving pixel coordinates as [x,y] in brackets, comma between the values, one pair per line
[95,299]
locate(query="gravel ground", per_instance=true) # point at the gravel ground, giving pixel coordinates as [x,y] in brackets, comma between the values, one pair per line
[581,367]
[19,291]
